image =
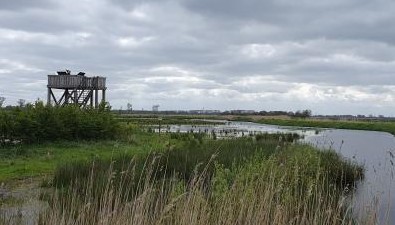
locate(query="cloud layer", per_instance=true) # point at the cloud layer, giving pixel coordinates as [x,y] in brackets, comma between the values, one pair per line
[332,56]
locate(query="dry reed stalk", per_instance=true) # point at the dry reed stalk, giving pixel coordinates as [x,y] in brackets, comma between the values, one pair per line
[259,201]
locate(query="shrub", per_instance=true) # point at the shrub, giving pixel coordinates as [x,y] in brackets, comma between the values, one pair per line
[37,123]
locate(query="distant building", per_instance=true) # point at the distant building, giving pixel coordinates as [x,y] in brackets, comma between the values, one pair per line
[155,108]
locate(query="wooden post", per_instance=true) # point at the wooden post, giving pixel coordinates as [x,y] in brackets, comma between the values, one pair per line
[66,97]
[96,98]
[49,97]
[75,96]
[103,96]
[91,98]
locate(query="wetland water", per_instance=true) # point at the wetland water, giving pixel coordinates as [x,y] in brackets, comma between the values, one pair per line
[22,203]
[374,150]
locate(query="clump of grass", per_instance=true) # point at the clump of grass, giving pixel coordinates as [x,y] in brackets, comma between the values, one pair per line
[182,159]
[282,137]
[4,220]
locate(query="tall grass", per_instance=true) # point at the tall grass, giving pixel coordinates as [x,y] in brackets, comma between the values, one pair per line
[278,190]
[243,181]
[184,158]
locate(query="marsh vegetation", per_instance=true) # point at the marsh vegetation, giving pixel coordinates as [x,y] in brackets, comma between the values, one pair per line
[139,177]
[210,182]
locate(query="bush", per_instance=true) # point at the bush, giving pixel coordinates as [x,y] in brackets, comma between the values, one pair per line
[37,123]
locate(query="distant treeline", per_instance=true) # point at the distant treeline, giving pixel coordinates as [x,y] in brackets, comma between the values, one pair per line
[299,113]
[35,123]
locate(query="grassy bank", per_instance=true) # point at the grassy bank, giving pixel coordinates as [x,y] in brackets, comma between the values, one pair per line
[352,125]
[210,182]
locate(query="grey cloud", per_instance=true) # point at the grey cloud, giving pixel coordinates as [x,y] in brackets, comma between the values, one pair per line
[249,54]
[307,19]
[35,20]
[25,4]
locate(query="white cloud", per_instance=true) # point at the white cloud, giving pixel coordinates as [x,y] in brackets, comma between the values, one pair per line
[258,50]
[140,13]
[132,42]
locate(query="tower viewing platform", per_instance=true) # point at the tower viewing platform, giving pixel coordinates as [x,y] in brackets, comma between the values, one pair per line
[76,89]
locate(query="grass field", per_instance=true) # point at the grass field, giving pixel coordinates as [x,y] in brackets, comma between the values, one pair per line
[22,161]
[337,124]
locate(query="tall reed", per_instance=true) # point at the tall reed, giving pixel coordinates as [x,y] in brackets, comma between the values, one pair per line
[293,186]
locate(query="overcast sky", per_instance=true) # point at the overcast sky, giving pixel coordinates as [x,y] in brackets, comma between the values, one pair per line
[330,56]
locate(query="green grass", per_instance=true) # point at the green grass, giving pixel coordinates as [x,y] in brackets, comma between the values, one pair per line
[42,159]
[182,158]
[352,125]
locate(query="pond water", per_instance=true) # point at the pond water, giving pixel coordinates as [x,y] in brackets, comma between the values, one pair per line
[22,203]
[236,129]
[374,150]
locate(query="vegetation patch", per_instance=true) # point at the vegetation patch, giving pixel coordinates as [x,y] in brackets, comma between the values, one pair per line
[137,177]
[352,125]
[211,182]
[37,123]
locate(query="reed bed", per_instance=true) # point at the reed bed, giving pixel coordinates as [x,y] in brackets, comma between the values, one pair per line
[295,184]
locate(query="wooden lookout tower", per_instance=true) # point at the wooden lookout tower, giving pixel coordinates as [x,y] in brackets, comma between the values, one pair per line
[76,89]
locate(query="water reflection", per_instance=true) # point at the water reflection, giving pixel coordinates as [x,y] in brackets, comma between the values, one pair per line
[375,150]
[235,129]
